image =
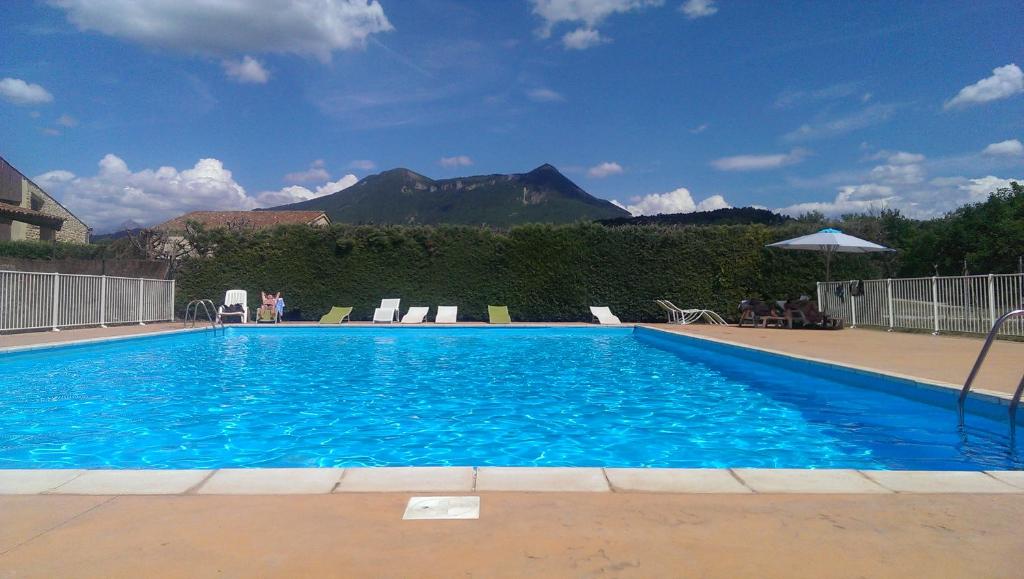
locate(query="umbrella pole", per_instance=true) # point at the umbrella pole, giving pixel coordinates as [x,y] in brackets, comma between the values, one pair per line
[828,264]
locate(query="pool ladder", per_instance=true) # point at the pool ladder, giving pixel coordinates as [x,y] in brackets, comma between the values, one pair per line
[192,314]
[1015,401]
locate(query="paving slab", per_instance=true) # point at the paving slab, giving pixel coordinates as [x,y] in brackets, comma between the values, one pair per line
[828,481]
[25,517]
[903,481]
[132,482]
[674,480]
[27,481]
[1010,477]
[271,481]
[500,478]
[407,479]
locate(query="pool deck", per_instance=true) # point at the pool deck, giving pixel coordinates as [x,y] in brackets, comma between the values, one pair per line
[620,523]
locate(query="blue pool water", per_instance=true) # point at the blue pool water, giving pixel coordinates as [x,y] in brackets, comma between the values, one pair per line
[303,397]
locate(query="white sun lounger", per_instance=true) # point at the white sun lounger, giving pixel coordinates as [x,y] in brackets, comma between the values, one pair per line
[678,315]
[604,315]
[387,312]
[233,297]
[446,314]
[415,315]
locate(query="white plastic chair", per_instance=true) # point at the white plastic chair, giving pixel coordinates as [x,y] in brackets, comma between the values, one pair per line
[233,297]
[446,314]
[415,315]
[387,312]
[604,315]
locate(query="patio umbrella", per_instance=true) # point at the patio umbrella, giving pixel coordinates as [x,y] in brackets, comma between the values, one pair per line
[830,241]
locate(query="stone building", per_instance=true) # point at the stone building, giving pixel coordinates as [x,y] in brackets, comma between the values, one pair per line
[27,213]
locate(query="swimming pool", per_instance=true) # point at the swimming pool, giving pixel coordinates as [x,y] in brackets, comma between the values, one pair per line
[444,396]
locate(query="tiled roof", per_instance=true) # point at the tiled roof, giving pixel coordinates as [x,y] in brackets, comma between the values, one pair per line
[30,216]
[255,219]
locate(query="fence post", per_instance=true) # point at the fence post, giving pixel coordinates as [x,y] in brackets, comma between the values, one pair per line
[888,294]
[991,300]
[142,296]
[853,310]
[171,306]
[821,302]
[935,304]
[56,300]
[103,302]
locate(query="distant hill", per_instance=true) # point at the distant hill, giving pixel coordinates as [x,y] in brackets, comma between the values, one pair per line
[730,216]
[401,196]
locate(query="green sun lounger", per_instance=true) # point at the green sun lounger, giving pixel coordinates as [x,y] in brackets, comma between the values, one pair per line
[337,315]
[499,314]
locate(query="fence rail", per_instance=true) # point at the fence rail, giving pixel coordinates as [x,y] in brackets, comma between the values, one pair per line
[39,301]
[962,304]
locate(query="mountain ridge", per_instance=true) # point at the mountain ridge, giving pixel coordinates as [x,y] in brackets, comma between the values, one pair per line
[403,196]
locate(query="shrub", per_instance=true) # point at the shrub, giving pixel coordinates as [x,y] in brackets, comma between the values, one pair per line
[541,272]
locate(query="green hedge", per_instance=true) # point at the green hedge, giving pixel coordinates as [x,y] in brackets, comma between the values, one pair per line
[542,272]
[49,250]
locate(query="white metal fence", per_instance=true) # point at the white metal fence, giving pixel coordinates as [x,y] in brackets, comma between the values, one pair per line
[968,304]
[36,301]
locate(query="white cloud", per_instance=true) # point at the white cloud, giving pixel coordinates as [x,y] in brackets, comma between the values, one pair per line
[246,71]
[1008,148]
[67,121]
[544,95]
[907,174]
[698,8]
[902,157]
[306,27]
[794,98]
[296,193]
[583,38]
[51,132]
[456,161]
[678,201]
[362,165]
[918,199]
[699,129]
[589,13]
[315,172]
[116,194]
[606,169]
[760,162]
[19,92]
[1005,82]
[872,115]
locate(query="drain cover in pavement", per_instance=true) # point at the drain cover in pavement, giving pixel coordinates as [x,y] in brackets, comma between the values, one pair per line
[442,508]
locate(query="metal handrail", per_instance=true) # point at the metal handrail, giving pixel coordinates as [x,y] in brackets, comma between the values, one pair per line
[193,306]
[977,367]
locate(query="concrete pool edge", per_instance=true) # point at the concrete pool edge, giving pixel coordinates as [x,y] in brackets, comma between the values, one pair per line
[313,481]
[1002,398]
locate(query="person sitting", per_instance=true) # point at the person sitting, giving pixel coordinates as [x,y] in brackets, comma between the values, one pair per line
[269,310]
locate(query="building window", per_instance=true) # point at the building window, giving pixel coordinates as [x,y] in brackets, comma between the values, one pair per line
[47,234]
[5,229]
[37,203]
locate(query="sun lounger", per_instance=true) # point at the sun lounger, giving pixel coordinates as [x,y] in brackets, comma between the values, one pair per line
[235,298]
[446,314]
[387,312]
[415,315]
[805,312]
[604,315]
[690,316]
[498,315]
[337,315]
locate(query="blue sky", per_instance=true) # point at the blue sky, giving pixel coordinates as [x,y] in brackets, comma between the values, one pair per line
[142,110]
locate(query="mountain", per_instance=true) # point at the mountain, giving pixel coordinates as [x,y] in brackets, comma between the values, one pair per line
[728,216]
[401,196]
